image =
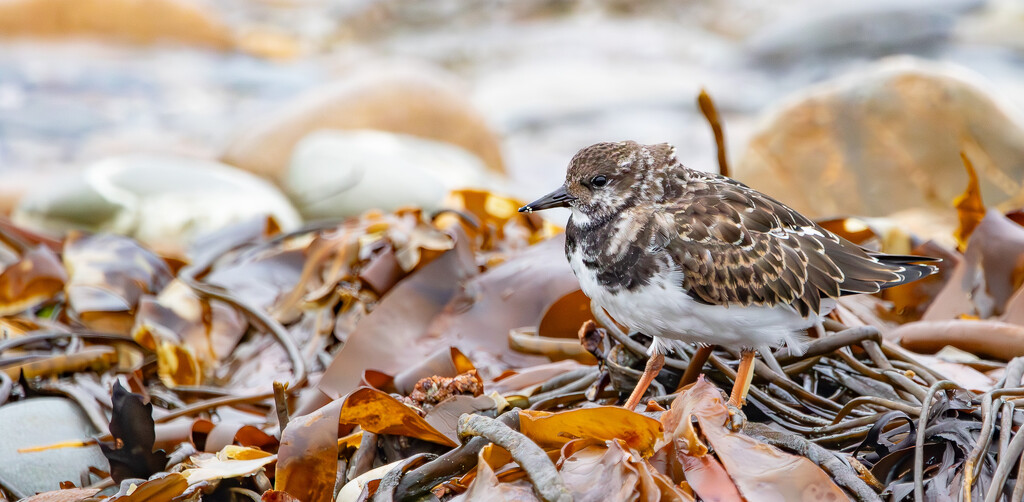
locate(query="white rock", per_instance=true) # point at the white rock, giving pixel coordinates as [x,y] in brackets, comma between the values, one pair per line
[335,174]
[158,199]
[405,97]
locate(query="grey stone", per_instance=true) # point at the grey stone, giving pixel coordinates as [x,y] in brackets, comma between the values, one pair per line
[41,422]
[872,28]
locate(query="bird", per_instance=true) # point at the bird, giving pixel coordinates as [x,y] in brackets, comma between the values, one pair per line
[687,256]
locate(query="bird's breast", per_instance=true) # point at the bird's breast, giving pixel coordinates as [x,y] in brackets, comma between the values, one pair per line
[663,308]
[604,260]
[652,308]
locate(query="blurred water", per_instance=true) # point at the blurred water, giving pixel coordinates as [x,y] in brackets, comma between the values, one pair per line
[71,102]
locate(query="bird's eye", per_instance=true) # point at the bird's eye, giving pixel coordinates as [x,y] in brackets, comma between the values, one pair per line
[599,181]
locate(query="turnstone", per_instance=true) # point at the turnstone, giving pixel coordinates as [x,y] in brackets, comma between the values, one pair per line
[688,256]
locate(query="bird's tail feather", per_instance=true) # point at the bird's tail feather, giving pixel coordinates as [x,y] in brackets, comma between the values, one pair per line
[909,268]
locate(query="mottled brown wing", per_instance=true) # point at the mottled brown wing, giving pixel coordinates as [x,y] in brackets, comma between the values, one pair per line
[737,246]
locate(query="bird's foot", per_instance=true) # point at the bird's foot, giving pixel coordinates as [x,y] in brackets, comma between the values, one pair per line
[736,419]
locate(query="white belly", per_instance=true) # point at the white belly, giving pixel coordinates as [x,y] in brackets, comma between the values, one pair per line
[662,309]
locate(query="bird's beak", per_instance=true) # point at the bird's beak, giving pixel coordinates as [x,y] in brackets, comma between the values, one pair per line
[558,198]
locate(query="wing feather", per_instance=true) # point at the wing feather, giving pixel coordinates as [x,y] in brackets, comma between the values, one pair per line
[738,246]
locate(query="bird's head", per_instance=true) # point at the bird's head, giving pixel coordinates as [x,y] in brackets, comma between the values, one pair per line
[604,178]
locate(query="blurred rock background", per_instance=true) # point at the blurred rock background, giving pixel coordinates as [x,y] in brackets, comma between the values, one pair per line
[836,108]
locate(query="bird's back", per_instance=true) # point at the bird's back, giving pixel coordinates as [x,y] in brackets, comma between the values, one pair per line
[738,246]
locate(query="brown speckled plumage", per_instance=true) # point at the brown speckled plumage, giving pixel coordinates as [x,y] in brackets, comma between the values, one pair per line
[688,256]
[734,246]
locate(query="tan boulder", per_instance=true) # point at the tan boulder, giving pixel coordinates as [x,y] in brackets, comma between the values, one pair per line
[411,100]
[887,139]
[135,21]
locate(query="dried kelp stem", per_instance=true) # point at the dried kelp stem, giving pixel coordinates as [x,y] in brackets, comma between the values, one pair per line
[782,380]
[844,475]
[278,239]
[362,461]
[389,483]
[538,467]
[577,397]
[613,329]
[1006,462]
[421,480]
[213,403]
[772,363]
[262,319]
[696,364]
[281,404]
[839,426]
[580,384]
[202,390]
[1018,486]
[927,376]
[849,414]
[263,481]
[466,217]
[875,353]
[74,345]
[877,401]
[896,353]
[789,393]
[922,426]
[1013,374]
[801,367]
[830,343]
[48,336]
[564,379]
[776,406]
[255,497]
[988,399]
[865,474]
[844,438]
[1005,427]
[9,487]
[854,363]
[341,478]
[707,107]
[915,393]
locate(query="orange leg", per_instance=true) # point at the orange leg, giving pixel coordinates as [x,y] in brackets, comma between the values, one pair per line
[744,375]
[654,365]
[696,364]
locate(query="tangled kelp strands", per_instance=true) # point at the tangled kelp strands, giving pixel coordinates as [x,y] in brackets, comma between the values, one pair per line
[854,404]
[405,356]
